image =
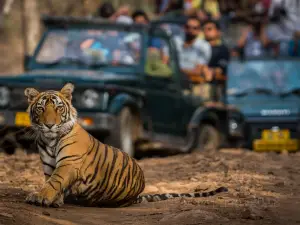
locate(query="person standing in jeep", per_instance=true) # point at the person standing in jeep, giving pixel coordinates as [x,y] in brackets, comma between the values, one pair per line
[217,66]
[194,53]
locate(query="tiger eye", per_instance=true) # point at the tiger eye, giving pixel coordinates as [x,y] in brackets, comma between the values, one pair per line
[60,108]
[39,110]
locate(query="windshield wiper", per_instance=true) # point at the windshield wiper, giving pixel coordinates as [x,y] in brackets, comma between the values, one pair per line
[294,91]
[266,91]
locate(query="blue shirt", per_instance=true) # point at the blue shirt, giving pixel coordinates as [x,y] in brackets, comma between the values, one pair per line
[155,43]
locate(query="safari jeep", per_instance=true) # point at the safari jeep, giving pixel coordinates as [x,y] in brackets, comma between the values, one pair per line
[125,95]
[267,91]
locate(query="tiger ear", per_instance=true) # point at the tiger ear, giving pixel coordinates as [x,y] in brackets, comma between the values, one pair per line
[67,91]
[31,94]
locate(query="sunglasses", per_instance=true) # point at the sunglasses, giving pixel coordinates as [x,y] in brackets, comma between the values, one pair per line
[208,28]
[192,27]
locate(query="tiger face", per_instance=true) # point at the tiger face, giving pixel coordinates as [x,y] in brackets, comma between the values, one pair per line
[51,112]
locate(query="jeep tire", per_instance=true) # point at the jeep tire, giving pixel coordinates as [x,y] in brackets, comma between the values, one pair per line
[123,136]
[8,146]
[208,138]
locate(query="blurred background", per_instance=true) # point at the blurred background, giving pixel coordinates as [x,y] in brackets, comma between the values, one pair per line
[20,26]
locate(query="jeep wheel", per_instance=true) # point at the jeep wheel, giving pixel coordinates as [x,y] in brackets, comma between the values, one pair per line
[122,137]
[209,138]
[8,147]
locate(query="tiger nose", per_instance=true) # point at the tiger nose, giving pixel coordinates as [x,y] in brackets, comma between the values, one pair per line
[49,125]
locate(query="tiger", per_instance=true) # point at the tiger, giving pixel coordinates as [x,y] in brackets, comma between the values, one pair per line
[79,168]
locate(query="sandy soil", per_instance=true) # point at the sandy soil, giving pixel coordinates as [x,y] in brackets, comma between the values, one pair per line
[263,189]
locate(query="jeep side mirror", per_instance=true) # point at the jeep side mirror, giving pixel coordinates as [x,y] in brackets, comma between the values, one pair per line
[26,61]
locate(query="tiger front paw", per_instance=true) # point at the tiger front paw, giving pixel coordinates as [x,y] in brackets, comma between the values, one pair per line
[45,197]
[37,198]
[58,202]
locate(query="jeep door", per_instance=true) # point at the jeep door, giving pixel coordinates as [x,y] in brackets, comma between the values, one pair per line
[163,96]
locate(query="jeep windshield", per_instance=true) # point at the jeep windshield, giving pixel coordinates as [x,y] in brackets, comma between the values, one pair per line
[264,76]
[173,29]
[90,47]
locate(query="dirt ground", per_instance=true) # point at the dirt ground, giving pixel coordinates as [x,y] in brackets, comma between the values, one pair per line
[263,189]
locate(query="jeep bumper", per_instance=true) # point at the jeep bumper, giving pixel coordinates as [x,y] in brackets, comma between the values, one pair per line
[102,123]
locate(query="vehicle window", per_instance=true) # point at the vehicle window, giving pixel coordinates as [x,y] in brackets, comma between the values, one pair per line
[53,47]
[157,63]
[278,76]
[91,47]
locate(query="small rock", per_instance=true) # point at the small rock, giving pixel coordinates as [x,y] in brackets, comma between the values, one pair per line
[241,195]
[182,201]
[201,187]
[271,173]
[246,214]
[280,184]
[193,179]
[46,213]
[7,215]
[193,202]
[251,214]
[265,208]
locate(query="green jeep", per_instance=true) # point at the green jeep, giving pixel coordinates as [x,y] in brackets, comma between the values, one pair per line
[125,94]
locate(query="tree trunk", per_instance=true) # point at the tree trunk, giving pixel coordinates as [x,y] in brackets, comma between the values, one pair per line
[31,25]
[2,3]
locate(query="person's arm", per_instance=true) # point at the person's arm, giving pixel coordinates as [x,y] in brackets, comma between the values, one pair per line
[274,4]
[195,8]
[163,10]
[217,11]
[123,10]
[242,41]
[197,73]
[263,37]
[221,70]
[193,74]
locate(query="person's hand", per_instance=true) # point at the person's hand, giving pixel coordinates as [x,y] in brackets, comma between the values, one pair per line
[234,53]
[208,74]
[202,15]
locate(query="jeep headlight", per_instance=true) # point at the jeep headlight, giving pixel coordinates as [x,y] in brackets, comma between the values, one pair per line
[4,96]
[235,128]
[90,98]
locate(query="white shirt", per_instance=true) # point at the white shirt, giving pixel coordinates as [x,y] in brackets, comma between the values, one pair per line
[199,53]
[287,25]
[124,19]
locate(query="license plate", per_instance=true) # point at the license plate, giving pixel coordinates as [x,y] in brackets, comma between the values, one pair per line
[22,119]
[277,140]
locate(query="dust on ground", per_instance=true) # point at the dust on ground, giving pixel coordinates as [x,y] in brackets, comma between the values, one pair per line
[263,189]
